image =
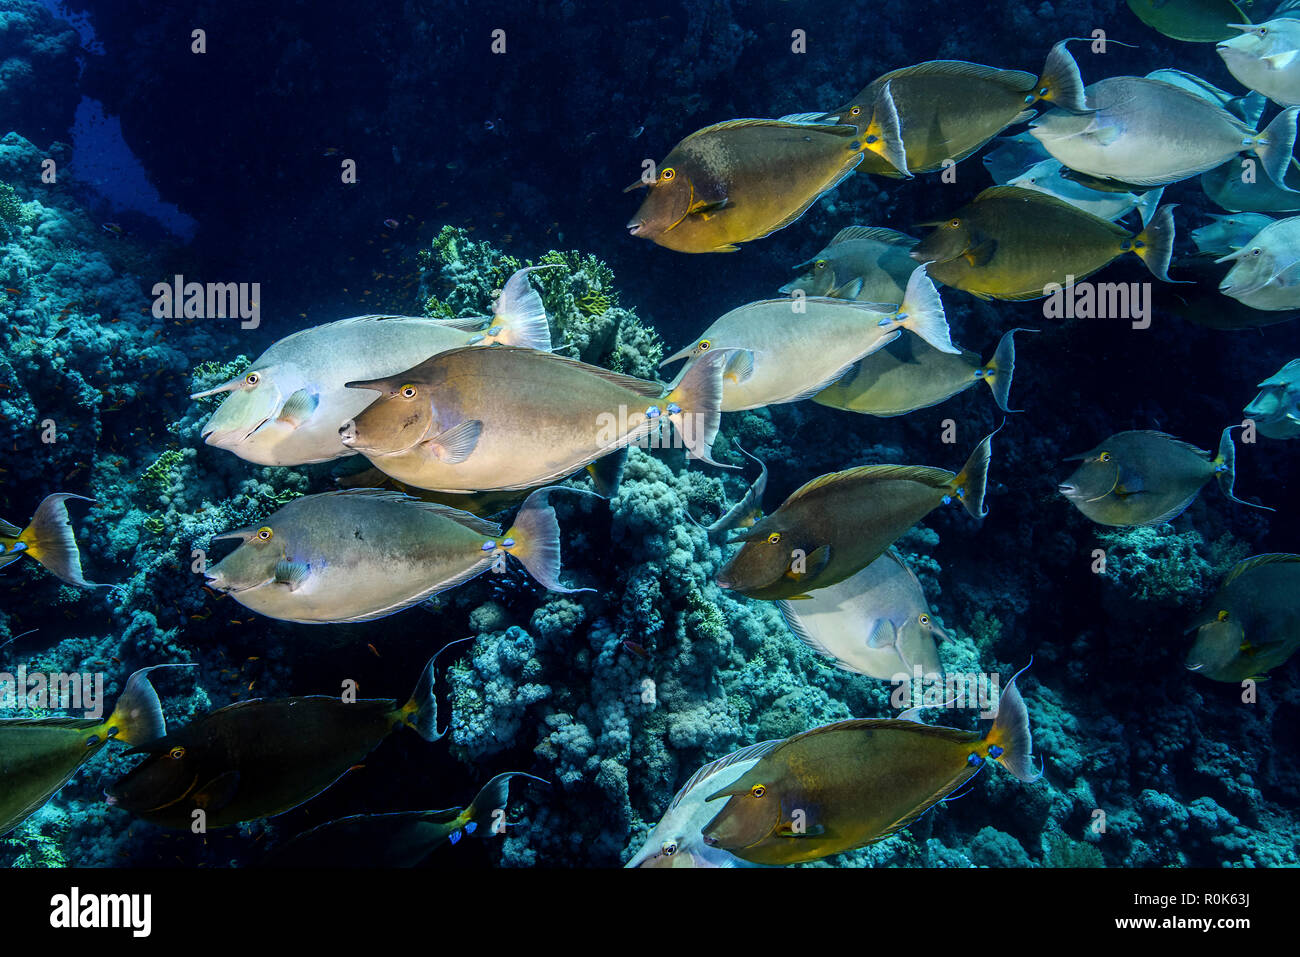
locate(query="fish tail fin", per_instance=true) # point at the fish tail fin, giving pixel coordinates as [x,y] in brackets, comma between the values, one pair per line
[607,472]
[1000,370]
[491,800]
[698,400]
[1275,144]
[1010,733]
[1155,244]
[884,134]
[520,313]
[970,483]
[534,539]
[421,711]
[922,312]
[1061,84]
[1225,468]
[50,541]
[138,715]
[1148,203]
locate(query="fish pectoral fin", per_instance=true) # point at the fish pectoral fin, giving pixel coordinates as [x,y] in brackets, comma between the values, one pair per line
[1129,483]
[1102,135]
[1280,61]
[811,564]
[457,443]
[298,408]
[218,792]
[884,635]
[807,830]
[739,367]
[981,254]
[729,248]
[291,573]
[706,210]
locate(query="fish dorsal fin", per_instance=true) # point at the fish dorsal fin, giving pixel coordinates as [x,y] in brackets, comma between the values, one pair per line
[880,234]
[1271,558]
[652,390]
[844,130]
[1175,440]
[886,724]
[1017,80]
[790,614]
[459,516]
[9,531]
[917,473]
[751,753]
[1042,199]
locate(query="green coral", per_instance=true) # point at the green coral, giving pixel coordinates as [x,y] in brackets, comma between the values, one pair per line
[580,297]
[209,375]
[164,469]
[12,210]
[1062,851]
[1153,563]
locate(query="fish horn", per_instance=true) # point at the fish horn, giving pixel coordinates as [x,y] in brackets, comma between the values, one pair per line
[230,386]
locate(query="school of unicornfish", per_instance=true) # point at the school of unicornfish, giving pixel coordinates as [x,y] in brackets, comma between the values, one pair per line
[861,328]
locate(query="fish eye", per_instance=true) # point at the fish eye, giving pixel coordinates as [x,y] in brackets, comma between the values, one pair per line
[1104,457]
[408,391]
[705,345]
[252,379]
[669,848]
[757,791]
[774,538]
[667,174]
[820,264]
[955,224]
[855,111]
[1256,251]
[1223,615]
[177,753]
[264,533]
[924,619]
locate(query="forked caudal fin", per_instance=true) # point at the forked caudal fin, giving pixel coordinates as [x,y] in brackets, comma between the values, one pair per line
[884,134]
[49,540]
[421,711]
[1010,734]
[518,314]
[1000,370]
[1154,245]
[534,539]
[922,312]
[138,715]
[970,483]
[1275,144]
[694,406]
[1061,83]
[495,795]
[1225,468]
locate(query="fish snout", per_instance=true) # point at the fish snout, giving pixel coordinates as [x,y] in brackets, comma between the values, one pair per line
[634,226]
[710,840]
[1066,489]
[348,432]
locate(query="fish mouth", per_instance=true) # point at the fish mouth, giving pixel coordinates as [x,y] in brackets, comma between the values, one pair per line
[1066,489]
[348,433]
[709,840]
[634,227]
